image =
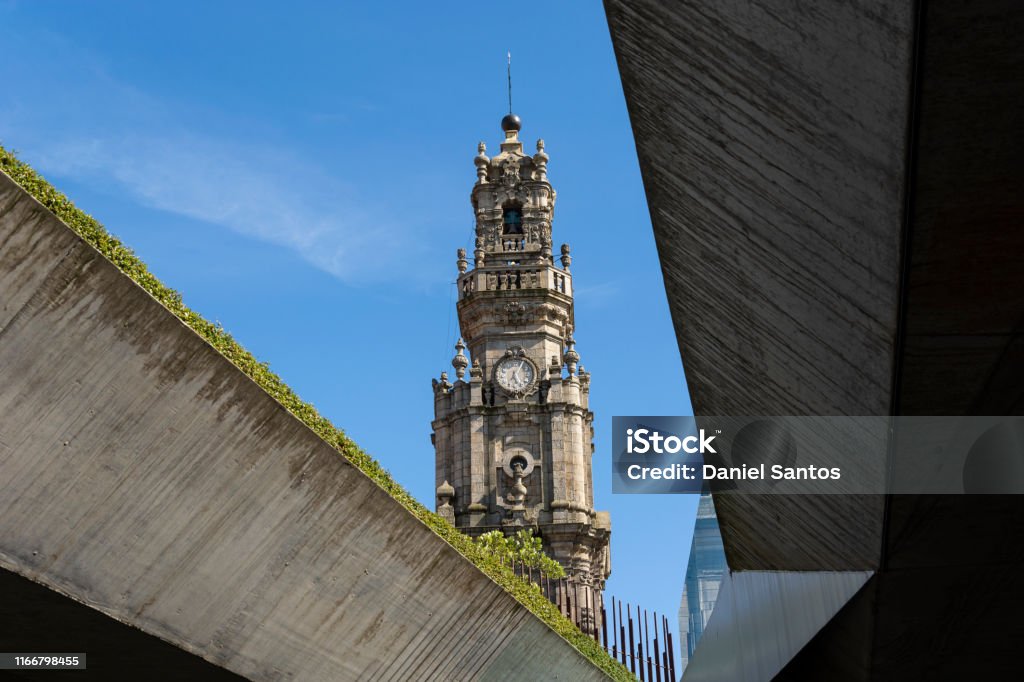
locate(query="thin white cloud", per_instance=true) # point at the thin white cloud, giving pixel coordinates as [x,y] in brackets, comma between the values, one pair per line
[73,119]
[258,193]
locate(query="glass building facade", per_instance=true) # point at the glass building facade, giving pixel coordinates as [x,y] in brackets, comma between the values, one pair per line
[704,572]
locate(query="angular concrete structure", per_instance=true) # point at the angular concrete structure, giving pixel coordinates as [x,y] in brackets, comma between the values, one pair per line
[165,504]
[835,193]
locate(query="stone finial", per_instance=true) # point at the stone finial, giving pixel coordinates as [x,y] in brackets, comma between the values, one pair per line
[461,262]
[517,496]
[444,385]
[540,161]
[481,162]
[475,371]
[445,495]
[460,362]
[478,254]
[570,357]
[566,258]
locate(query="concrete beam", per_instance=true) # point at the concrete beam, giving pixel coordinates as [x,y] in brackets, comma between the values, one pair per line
[835,194]
[149,479]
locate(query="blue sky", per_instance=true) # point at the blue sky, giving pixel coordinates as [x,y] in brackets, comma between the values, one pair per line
[301,173]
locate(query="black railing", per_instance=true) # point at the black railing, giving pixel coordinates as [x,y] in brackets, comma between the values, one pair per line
[625,636]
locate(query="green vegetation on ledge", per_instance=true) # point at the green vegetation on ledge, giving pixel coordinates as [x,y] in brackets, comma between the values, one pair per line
[95,234]
[523,549]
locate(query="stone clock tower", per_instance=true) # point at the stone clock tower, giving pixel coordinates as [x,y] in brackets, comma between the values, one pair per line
[514,439]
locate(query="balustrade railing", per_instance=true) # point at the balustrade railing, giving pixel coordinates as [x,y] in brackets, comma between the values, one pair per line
[510,245]
[515,279]
[490,278]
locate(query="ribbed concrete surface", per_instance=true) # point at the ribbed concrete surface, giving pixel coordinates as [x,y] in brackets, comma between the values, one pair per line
[771,136]
[144,475]
[835,193]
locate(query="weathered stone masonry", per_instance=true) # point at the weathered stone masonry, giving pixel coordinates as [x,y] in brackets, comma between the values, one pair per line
[514,440]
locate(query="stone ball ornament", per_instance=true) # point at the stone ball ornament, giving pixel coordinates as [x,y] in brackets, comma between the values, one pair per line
[511,122]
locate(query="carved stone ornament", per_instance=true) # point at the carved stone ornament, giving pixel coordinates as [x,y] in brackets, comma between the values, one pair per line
[517,451]
[490,234]
[515,193]
[510,172]
[557,313]
[517,494]
[515,312]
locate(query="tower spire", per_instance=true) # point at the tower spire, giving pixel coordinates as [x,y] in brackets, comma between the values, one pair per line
[510,81]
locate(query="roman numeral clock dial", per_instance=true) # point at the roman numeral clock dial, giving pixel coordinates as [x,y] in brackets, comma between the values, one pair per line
[515,374]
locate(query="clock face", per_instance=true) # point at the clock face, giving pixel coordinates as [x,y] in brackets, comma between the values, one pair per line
[515,374]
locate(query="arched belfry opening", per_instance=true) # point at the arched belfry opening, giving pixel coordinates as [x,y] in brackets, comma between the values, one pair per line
[512,220]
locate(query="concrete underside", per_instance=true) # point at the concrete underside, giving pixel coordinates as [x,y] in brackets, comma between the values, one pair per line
[37,619]
[835,194]
[161,496]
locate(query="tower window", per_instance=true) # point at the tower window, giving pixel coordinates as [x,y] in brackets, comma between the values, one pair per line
[513,221]
[518,464]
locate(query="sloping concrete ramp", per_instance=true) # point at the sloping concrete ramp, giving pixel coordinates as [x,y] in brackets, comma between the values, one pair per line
[146,477]
[762,619]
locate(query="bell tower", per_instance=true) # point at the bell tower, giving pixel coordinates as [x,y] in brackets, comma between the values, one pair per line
[514,440]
